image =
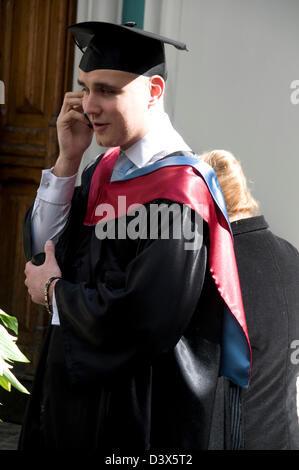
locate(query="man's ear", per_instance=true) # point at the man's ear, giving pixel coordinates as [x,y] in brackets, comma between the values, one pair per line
[157,85]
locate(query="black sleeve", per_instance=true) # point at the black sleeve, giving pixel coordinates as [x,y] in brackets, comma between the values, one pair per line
[108,329]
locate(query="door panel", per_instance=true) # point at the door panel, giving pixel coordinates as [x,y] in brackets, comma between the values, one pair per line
[36,60]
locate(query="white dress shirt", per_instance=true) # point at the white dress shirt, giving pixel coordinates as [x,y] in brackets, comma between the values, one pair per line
[53,201]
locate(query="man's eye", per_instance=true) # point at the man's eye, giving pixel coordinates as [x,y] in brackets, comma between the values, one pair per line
[106,91]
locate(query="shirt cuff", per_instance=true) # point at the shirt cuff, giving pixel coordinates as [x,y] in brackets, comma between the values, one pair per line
[54,189]
[55,316]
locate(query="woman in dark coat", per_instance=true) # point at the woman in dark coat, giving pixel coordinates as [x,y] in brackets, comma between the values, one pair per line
[269,274]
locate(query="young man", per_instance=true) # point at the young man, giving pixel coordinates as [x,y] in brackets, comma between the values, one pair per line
[139,328]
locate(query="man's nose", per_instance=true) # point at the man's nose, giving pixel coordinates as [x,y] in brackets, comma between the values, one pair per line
[91,104]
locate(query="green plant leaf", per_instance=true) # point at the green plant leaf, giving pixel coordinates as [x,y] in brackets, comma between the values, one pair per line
[9,352]
[9,321]
[7,378]
[4,383]
[8,348]
[8,375]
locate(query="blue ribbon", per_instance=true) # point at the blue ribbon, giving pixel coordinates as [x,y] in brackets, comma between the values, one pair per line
[203,168]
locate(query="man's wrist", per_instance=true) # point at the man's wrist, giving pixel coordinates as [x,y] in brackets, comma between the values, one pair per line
[49,290]
[66,167]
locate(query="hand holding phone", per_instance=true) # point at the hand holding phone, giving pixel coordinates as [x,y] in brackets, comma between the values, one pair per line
[75,132]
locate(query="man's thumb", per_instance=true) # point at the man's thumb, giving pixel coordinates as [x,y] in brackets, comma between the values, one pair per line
[49,249]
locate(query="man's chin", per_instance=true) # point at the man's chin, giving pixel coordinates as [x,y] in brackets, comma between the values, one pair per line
[104,141]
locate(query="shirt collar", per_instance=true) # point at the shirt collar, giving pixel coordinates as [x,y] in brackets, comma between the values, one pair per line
[162,139]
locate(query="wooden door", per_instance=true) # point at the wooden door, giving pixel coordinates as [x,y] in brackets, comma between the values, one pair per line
[36,57]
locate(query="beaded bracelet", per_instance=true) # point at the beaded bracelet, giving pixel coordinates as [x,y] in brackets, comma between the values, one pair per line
[47,288]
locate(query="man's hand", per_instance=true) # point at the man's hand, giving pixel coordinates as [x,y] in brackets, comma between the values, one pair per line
[37,276]
[74,135]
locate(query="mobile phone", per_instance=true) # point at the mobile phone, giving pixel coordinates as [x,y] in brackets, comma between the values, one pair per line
[89,122]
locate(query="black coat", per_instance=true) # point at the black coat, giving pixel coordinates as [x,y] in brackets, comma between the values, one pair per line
[269,275]
[135,362]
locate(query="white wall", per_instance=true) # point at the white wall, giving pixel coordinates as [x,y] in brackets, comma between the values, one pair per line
[232,90]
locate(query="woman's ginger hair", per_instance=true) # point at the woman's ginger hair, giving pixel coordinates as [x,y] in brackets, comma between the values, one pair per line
[239,202]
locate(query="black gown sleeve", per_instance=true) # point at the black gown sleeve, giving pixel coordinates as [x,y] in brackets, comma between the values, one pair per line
[123,322]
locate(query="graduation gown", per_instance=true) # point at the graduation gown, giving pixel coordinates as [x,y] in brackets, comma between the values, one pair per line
[135,361]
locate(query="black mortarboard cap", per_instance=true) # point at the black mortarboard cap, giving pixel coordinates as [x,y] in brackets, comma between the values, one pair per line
[121,47]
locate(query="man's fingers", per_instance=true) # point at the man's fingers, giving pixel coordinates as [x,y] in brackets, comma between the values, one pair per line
[72,99]
[74,115]
[74,94]
[27,267]
[71,115]
[75,103]
[78,116]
